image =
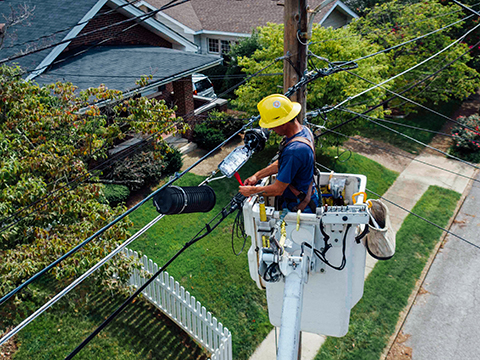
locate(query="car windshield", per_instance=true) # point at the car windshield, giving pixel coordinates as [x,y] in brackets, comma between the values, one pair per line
[202,85]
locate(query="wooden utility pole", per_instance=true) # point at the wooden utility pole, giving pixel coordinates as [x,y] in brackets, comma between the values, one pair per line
[295,20]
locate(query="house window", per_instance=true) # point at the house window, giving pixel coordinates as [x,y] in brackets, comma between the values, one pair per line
[225,46]
[213,46]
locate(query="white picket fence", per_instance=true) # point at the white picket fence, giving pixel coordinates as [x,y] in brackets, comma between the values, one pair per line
[172,299]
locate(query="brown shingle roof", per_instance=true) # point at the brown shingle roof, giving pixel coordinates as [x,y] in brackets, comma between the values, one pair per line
[238,16]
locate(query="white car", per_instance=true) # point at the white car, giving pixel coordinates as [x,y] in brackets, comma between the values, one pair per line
[202,86]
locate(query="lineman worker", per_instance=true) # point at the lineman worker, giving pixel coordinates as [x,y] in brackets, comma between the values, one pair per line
[296,163]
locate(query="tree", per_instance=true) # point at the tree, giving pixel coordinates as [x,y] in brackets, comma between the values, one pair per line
[408,21]
[46,144]
[334,45]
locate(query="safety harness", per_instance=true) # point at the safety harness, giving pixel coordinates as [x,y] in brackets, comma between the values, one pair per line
[305,199]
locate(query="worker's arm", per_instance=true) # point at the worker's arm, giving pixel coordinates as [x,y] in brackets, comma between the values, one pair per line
[269,170]
[275,189]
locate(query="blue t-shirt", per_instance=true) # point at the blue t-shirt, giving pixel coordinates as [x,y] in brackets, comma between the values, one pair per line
[296,165]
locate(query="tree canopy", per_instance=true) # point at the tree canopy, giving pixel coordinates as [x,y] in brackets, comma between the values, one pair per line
[335,45]
[393,23]
[48,137]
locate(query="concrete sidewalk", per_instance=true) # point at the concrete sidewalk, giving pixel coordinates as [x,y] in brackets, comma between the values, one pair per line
[410,185]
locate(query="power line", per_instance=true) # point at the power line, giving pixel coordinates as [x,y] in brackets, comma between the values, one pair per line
[373,120]
[390,27]
[417,104]
[414,214]
[407,70]
[399,154]
[412,40]
[78,281]
[320,111]
[207,229]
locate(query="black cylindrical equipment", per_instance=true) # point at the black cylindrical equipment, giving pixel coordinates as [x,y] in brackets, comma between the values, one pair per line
[183,200]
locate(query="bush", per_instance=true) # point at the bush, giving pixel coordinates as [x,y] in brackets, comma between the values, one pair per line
[206,137]
[116,194]
[467,142]
[223,122]
[218,127]
[173,161]
[139,170]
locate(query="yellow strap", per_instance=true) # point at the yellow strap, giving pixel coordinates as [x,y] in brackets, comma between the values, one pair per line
[298,219]
[283,238]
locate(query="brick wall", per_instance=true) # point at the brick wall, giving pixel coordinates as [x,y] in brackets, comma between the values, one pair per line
[183,98]
[137,35]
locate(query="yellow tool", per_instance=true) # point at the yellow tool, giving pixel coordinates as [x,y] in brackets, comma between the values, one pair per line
[283,232]
[298,219]
[265,241]
[263,212]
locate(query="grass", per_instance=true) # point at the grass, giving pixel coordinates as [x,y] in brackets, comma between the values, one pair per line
[422,118]
[379,178]
[140,332]
[209,270]
[391,282]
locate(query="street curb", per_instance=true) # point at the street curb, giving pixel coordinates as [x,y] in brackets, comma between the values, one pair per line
[411,300]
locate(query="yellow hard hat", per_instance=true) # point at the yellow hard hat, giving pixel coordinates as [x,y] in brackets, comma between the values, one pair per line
[276,110]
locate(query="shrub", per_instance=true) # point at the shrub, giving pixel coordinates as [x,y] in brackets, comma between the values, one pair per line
[206,137]
[140,169]
[173,161]
[116,194]
[224,122]
[467,142]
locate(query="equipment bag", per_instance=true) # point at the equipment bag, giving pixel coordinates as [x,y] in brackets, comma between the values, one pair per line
[380,241]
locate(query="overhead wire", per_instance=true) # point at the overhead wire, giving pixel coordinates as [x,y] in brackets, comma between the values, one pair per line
[388,27]
[374,121]
[413,158]
[407,70]
[77,282]
[320,111]
[207,229]
[415,103]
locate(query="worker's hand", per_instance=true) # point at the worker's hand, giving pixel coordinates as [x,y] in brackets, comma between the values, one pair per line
[252,180]
[247,190]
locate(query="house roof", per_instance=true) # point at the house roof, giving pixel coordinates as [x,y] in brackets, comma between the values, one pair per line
[236,16]
[45,20]
[117,67]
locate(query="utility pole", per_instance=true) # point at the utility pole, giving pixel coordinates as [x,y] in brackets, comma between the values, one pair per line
[295,20]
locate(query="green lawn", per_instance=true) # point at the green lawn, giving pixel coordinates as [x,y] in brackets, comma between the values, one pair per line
[423,119]
[391,282]
[209,270]
[140,332]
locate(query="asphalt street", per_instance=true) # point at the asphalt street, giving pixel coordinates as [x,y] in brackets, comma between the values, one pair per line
[444,322]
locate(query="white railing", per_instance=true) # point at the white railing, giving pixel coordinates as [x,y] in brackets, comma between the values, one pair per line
[172,299]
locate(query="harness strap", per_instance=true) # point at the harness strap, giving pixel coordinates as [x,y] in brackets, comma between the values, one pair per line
[305,199]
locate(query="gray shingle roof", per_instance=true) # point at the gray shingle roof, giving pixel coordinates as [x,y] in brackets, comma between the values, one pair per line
[238,16]
[118,67]
[49,16]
